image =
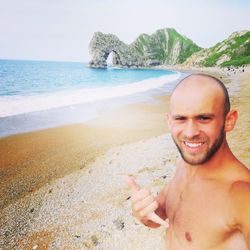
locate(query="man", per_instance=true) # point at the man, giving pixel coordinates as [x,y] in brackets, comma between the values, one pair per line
[207,203]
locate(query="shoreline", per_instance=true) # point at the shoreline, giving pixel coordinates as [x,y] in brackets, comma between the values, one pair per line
[47,176]
[87,105]
[84,112]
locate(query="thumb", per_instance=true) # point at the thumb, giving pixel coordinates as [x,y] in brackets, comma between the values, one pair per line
[155,218]
[131,182]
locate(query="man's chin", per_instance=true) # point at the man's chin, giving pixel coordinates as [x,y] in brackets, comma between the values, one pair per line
[193,160]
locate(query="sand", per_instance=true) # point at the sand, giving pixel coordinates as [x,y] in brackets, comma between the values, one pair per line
[28,161]
[61,188]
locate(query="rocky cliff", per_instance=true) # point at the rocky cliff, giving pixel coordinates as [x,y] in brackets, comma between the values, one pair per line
[165,46]
[101,45]
[235,50]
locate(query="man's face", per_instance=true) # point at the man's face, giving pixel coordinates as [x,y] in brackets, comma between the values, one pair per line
[196,121]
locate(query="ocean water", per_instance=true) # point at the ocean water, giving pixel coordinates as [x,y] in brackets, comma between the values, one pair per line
[39,94]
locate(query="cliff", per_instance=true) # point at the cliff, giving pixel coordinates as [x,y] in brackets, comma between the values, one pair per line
[235,50]
[168,47]
[165,46]
[101,45]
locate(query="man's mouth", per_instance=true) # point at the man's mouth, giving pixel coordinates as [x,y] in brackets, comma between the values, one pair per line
[193,145]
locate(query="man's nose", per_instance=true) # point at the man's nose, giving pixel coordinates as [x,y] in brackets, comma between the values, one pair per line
[191,129]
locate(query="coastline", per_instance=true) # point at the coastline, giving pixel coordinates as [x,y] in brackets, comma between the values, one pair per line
[22,114]
[85,162]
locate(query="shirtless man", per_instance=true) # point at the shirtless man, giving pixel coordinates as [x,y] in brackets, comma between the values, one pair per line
[207,203]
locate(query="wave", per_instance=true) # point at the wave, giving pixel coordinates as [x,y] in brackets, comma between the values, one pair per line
[15,105]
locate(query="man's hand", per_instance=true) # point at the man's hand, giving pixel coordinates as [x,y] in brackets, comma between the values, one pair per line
[143,203]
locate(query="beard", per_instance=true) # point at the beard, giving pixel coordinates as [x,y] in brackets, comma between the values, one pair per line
[208,154]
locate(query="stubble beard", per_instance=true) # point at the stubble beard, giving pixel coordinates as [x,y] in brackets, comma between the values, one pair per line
[209,153]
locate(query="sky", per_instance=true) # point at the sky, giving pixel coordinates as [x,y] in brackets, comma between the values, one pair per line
[60,30]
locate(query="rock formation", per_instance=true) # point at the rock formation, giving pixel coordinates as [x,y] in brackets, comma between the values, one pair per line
[165,46]
[102,45]
[168,47]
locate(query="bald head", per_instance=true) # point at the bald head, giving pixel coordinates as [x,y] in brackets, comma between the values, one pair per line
[199,87]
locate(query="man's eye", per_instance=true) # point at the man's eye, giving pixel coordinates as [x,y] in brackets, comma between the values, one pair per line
[204,118]
[179,118]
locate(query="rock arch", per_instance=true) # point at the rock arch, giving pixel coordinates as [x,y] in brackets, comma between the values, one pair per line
[101,45]
[115,57]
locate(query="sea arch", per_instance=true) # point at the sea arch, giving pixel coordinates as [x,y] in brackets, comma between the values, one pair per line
[101,45]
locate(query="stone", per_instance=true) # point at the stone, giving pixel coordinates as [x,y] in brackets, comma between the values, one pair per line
[119,224]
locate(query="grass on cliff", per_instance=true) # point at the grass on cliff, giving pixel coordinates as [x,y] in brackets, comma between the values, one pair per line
[160,45]
[237,62]
[188,47]
[238,50]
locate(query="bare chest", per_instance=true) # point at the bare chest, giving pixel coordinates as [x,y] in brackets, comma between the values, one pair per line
[199,214]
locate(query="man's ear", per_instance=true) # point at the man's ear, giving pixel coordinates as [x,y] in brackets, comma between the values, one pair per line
[231,120]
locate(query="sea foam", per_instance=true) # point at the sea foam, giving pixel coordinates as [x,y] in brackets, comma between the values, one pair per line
[15,105]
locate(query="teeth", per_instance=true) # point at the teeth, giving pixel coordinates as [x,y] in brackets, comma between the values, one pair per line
[193,145]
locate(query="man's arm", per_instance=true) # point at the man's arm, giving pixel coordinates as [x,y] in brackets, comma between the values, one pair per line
[241,198]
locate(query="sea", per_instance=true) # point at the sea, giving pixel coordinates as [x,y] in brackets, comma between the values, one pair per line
[36,95]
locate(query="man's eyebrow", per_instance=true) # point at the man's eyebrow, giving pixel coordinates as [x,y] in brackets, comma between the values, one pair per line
[211,115]
[205,116]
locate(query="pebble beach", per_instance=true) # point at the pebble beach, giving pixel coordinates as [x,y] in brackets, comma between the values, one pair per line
[62,188]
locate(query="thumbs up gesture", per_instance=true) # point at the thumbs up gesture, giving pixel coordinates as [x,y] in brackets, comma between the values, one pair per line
[144,204]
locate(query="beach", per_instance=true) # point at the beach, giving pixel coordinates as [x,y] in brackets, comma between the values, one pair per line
[62,188]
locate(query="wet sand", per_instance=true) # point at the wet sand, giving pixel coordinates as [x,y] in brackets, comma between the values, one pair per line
[60,188]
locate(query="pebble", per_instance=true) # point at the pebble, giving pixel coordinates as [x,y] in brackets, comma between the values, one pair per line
[119,224]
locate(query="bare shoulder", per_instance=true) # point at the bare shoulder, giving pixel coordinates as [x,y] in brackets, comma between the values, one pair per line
[240,195]
[241,185]
[240,190]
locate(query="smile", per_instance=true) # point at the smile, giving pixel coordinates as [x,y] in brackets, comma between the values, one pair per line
[193,144]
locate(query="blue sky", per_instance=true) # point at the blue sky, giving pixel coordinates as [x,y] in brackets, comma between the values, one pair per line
[62,29]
